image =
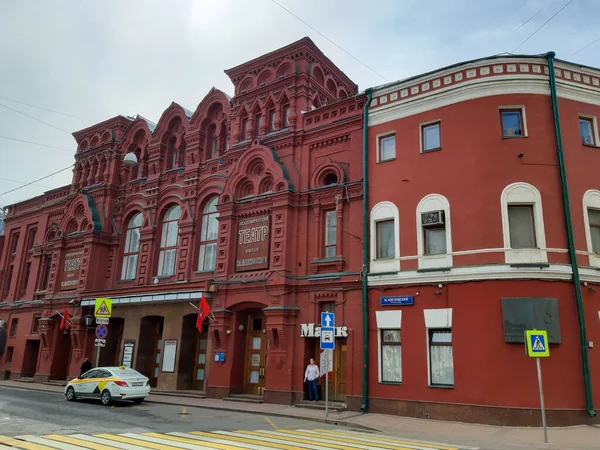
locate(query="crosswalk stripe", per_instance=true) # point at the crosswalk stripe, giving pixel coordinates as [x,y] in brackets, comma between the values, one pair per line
[369,437]
[334,438]
[328,443]
[248,443]
[264,439]
[47,443]
[209,443]
[14,443]
[206,445]
[79,442]
[105,442]
[372,440]
[126,440]
[2,446]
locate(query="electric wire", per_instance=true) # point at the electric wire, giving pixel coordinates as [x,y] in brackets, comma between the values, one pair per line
[47,109]
[35,181]
[36,143]
[583,48]
[35,118]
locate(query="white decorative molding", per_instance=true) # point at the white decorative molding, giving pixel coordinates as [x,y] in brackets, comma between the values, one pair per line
[384,211]
[524,194]
[434,202]
[438,318]
[591,199]
[389,320]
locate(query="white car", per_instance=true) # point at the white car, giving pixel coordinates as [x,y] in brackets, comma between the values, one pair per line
[109,384]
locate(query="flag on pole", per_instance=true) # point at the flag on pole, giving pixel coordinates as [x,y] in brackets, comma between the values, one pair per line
[203,312]
[64,323]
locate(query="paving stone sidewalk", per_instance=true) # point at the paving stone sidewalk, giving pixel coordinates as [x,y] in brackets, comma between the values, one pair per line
[474,435]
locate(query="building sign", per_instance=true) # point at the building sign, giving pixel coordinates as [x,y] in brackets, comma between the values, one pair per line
[71,268]
[310,330]
[397,300]
[253,244]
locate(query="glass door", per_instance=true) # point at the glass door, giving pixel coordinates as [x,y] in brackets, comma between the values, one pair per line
[256,356]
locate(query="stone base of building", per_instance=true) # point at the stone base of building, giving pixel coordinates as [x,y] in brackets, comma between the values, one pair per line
[14,375]
[219,391]
[5,374]
[490,415]
[38,378]
[282,397]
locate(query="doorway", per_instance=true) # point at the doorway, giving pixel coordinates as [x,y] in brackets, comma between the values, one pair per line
[192,356]
[149,354]
[256,354]
[337,377]
[30,358]
[62,355]
[110,354]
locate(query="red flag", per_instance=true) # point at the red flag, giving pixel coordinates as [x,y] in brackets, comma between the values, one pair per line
[203,312]
[64,323]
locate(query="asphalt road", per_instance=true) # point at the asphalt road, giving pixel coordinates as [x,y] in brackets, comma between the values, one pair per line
[38,413]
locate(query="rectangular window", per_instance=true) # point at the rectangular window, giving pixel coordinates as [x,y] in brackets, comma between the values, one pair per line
[46,276]
[272,120]
[522,226]
[435,240]
[387,148]
[391,356]
[9,355]
[257,123]
[15,244]
[286,115]
[386,245]
[166,262]
[35,328]
[8,281]
[586,129]
[330,234]
[512,122]
[14,325]
[31,238]
[25,280]
[594,219]
[430,137]
[244,129]
[441,361]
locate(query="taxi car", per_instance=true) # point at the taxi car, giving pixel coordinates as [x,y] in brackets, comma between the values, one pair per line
[109,384]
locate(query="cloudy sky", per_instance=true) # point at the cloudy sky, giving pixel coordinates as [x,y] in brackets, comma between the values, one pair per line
[94,60]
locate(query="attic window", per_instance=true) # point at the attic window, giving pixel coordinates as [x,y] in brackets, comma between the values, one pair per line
[329,179]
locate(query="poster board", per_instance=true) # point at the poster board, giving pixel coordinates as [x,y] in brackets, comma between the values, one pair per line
[169,355]
[128,352]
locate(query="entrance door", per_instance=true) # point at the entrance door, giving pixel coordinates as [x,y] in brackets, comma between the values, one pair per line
[256,355]
[200,364]
[339,370]
[156,359]
[32,350]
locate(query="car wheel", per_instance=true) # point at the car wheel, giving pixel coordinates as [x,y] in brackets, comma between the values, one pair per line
[137,401]
[70,394]
[105,397]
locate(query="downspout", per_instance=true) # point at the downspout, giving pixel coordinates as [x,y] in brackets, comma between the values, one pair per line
[365,252]
[589,404]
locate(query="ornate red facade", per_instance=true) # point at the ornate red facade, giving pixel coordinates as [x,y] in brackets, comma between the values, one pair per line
[252,202]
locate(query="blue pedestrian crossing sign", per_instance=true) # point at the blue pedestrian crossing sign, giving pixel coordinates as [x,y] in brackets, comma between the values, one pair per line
[537,343]
[328,319]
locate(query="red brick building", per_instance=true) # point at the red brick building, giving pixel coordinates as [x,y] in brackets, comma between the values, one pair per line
[470,246]
[252,202]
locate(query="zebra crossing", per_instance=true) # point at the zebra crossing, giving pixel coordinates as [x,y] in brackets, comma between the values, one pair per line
[317,439]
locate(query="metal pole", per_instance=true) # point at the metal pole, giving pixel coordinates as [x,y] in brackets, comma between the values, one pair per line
[97,356]
[539,371]
[326,383]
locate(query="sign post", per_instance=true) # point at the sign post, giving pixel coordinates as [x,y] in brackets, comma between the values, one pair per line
[103,311]
[327,344]
[536,342]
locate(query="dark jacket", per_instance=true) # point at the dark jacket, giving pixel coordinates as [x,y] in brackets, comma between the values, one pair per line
[85,367]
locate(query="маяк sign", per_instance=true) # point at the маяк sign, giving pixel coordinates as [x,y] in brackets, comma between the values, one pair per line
[310,330]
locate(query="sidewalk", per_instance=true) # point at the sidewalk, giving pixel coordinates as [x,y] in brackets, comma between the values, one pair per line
[484,436]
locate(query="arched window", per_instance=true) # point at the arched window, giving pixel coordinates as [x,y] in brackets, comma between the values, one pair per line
[434,233]
[208,236]
[168,242]
[211,142]
[385,238]
[171,154]
[132,247]
[523,224]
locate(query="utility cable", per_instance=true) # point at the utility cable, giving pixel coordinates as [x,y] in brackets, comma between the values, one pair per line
[325,37]
[583,48]
[39,179]
[35,118]
[36,143]
[47,109]
[22,182]
[542,26]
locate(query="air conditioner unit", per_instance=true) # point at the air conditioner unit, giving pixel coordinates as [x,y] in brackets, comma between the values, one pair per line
[432,218]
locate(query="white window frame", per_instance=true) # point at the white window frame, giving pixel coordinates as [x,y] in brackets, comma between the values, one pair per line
[378,139]
[437,319]
[524,194]
[385,211]
[426,124]
[591,199]
[130,256]
[434,202]
[388,320]
[204,265]
[594,121]
[523,118]
[167,249]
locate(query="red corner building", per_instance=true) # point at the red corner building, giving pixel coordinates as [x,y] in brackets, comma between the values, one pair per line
[470,169]
[252,203]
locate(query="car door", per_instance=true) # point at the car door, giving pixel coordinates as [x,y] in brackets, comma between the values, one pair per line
[101,379]
[85,385]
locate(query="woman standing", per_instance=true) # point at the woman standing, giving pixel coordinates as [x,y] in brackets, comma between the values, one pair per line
[312,375]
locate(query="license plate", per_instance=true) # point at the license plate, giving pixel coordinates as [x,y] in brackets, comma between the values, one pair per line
[137,384]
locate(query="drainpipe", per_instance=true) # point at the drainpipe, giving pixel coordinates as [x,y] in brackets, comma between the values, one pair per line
[589,404]
[365,252]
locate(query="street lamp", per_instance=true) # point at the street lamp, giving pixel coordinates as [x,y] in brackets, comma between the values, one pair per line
[89,321]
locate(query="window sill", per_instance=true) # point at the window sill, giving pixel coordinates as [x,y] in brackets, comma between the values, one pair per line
[391,383]
[590,145]
[435,269]
[381,161]
[431,150]
[442,386]
[175,169]
[325,265]
[204,272]
[513,137]
[540,265]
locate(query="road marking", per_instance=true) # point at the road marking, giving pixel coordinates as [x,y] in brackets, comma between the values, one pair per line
[264,439]
[76,441]
[192,442]
[347,440]
[47,443]
[15,443]
[126,440]
[105,442]
[304,440]
[160,440]
[370,437]
[271,422]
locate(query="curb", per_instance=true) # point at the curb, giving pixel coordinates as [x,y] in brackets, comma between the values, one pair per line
[340,422]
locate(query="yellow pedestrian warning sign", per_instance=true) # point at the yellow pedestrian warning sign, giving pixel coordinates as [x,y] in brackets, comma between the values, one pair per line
[103,307]
[537,343]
